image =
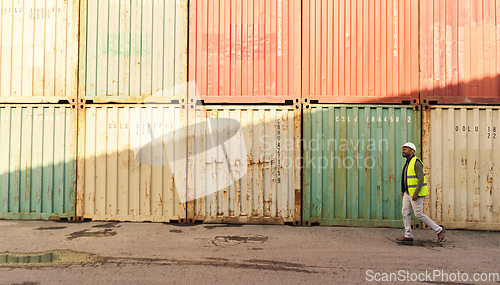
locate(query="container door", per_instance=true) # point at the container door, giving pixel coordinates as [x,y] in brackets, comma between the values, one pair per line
[39,51]
[353,163]
[459,52]
[133,51]
[244,164]
[245,51]
[363,52]
[462,153]
[38,162]
[132,162]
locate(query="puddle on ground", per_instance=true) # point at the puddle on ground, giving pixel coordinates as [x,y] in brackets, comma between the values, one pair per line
[59,258]
[13,258]
[422,243]
[47,258]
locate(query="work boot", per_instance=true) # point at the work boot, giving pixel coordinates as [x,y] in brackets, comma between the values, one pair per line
[441,234]
[404,239]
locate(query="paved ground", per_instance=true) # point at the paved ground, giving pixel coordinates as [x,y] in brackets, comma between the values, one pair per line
[155,253]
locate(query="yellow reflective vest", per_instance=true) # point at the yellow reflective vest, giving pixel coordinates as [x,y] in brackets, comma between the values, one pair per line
[412,179]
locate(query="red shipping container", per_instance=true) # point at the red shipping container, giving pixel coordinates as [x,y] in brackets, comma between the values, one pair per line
[460,51]
[245,51]
[360,51]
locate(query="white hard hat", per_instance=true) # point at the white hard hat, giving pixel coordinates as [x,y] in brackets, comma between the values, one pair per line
[410,145]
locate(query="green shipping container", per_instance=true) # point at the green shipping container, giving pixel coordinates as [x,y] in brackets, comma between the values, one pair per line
[37,162]
[353,163]
[133,51]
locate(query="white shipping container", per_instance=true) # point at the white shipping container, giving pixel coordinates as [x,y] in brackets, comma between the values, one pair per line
[244,164]
[132,162]
[38,51]
[461,147]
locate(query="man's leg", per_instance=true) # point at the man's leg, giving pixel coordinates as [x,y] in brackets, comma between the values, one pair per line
[407,206]
[418,209]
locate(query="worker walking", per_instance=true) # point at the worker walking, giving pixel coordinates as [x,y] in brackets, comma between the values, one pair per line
[413,191]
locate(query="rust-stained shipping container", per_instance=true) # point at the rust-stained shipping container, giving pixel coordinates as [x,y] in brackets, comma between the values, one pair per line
[360,51]
[245,51]
[352,163]
[133,51]
[244,164]
[132,162]
[461,147]
[37,161]
[38,51]
[460,51]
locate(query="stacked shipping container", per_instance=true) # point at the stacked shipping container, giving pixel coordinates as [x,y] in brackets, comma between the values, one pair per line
[365,52]
[244,156]
[225,147]
[144,161]
[244,164]
[39,51]
[462,154]
[38,64]
[460,56]
[360,51]
[133,72]
[127,162]
[132,51]
[245,51]
[38,155]
[352,163]
[459,52]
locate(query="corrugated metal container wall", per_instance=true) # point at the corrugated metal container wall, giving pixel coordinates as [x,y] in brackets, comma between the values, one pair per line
[460,51]
[462,157]
[353,163]
[245,51]
[131,50]
[38,51]
[360,51]
[126,163]
[244,164]
[38,162]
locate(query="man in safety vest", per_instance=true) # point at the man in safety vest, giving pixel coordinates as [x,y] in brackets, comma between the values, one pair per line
[414,189]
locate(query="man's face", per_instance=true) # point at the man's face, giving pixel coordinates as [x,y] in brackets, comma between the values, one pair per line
[406,151]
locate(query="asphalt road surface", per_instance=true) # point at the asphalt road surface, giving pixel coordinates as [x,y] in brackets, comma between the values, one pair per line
[47,252]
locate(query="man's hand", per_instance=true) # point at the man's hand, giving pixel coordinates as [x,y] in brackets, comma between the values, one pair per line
[414,197]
